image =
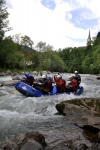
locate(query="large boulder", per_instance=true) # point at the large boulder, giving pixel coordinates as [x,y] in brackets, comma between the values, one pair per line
[83,111]
[85,114]
[98,77]
[32,141]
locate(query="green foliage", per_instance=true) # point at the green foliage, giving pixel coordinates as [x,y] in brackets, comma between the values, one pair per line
[17,52]
[83,59]
[17,38]
[96,57]
[48,60]
[86,64]
[73,58]
[41,46]
[26,41]
[35,60]
[9,54]
[97,39]
[3,19]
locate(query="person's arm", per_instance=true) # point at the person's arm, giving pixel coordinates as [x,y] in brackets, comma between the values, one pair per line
[45,83]
[37,83]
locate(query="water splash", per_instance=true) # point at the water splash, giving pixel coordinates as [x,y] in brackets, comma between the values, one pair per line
[21,114]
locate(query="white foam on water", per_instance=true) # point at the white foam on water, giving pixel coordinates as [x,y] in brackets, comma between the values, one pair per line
[18,112]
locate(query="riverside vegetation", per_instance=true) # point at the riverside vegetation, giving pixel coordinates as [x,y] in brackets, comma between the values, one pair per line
[17,52]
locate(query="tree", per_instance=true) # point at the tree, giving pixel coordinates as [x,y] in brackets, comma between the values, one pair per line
[97,39]
[10,55]
[3,19]
[26,41]
[98,35]
[49,60]
[41,46]
[49,47]
[35,60]
[17,38]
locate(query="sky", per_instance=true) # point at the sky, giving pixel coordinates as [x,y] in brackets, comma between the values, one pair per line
[60,23]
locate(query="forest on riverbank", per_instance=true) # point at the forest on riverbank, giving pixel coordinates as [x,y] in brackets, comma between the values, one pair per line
[17,53]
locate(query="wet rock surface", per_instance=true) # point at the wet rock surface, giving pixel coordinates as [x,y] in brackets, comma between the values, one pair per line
[84,113]
[80,129]
[98,78]
[31,141]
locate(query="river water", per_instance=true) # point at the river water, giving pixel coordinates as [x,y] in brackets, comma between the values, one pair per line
[20,114]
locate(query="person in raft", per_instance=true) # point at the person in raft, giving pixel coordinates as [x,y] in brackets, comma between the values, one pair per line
[72,86]
[60,83]
[45,85]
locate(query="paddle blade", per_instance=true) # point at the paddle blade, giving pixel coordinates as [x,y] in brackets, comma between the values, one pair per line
[54,89]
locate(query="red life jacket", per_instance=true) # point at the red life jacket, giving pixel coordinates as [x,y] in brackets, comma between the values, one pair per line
[61,85]
[73,84]
[55,78]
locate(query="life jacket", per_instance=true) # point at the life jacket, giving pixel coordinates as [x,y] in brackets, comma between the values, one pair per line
[60,85]
[73,84]
[48,85]
[55,78]
[30,80]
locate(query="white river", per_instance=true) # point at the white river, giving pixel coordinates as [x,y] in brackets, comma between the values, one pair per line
[20,114]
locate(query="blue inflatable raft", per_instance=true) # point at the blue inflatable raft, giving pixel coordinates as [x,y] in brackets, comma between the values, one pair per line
[30,91]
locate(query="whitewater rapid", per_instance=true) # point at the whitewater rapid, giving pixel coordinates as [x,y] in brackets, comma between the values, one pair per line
[20,114]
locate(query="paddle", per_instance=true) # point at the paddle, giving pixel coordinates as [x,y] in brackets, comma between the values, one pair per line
[15,92]
[54,90]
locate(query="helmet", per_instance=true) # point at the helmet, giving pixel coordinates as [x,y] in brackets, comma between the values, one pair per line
[44,76]
[59,76]
[27,74]
[76,72]
[31,77]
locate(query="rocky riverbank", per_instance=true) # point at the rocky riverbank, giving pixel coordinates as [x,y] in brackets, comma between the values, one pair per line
[85,114]
[81,130]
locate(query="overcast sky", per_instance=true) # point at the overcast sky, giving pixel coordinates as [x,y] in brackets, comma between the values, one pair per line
[60,23]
